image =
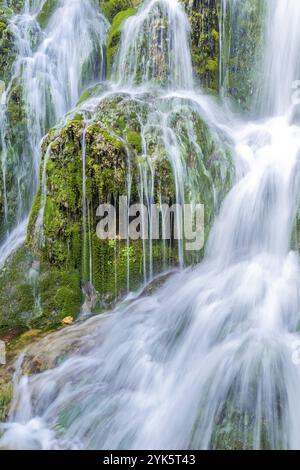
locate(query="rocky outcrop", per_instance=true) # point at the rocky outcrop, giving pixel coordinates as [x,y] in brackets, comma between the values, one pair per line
[117,149]
[7,47]
[227,43]
[243,42]
[204,18]
[124,138]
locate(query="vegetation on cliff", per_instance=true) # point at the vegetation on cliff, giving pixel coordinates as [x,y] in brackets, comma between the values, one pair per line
[114,151]
[43,283]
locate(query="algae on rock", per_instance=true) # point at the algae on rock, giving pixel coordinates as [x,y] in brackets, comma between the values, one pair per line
[126,154]
[114,37]
[7,46]
[46,11]
[204,20]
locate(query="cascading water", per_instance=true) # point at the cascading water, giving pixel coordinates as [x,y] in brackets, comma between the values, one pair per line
[282,66]
[209,367]
[242,34]
[51,69]
[162,59]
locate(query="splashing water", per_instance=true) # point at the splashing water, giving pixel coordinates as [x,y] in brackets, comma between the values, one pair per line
[210,366]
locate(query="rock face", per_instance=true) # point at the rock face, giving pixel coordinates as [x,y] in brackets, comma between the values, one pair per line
[296,233]
[204,17]
[7,49]
[122,146]
[124,149]
[12,119]
[151,149]
[116,142]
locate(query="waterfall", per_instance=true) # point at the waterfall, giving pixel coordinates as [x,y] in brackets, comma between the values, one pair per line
[52,67]
[207,361]
[39,228]
[159,57]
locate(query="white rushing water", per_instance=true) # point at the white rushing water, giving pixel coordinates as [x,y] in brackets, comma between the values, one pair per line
[52,67]
[207,361]
[282,64]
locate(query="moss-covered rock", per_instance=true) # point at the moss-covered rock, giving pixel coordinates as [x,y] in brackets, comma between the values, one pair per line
[296,232]
[204,18]
[16,292]
[13,121]
[126,152]
[122,143]
[6,391]
[46,12]
[15,135]
[114,37]
[110,8]
[242,49]
[90,92]
[227,46]
[7,48]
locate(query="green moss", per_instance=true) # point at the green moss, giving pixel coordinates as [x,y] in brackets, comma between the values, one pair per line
[243,52]
[67,301]
[113,258]
[33,216]
[16,292]
[121,123]
[20,342]
[6,392]
[212,65]
[3,26]
[204,20]
[295,239]
[16,118]
[67,416]
[111,8]
[115,35]
[7,47]
[60,294]
[113,152]
[46,12]
[36,297]
[242,46]
[117,143]
[89,93]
